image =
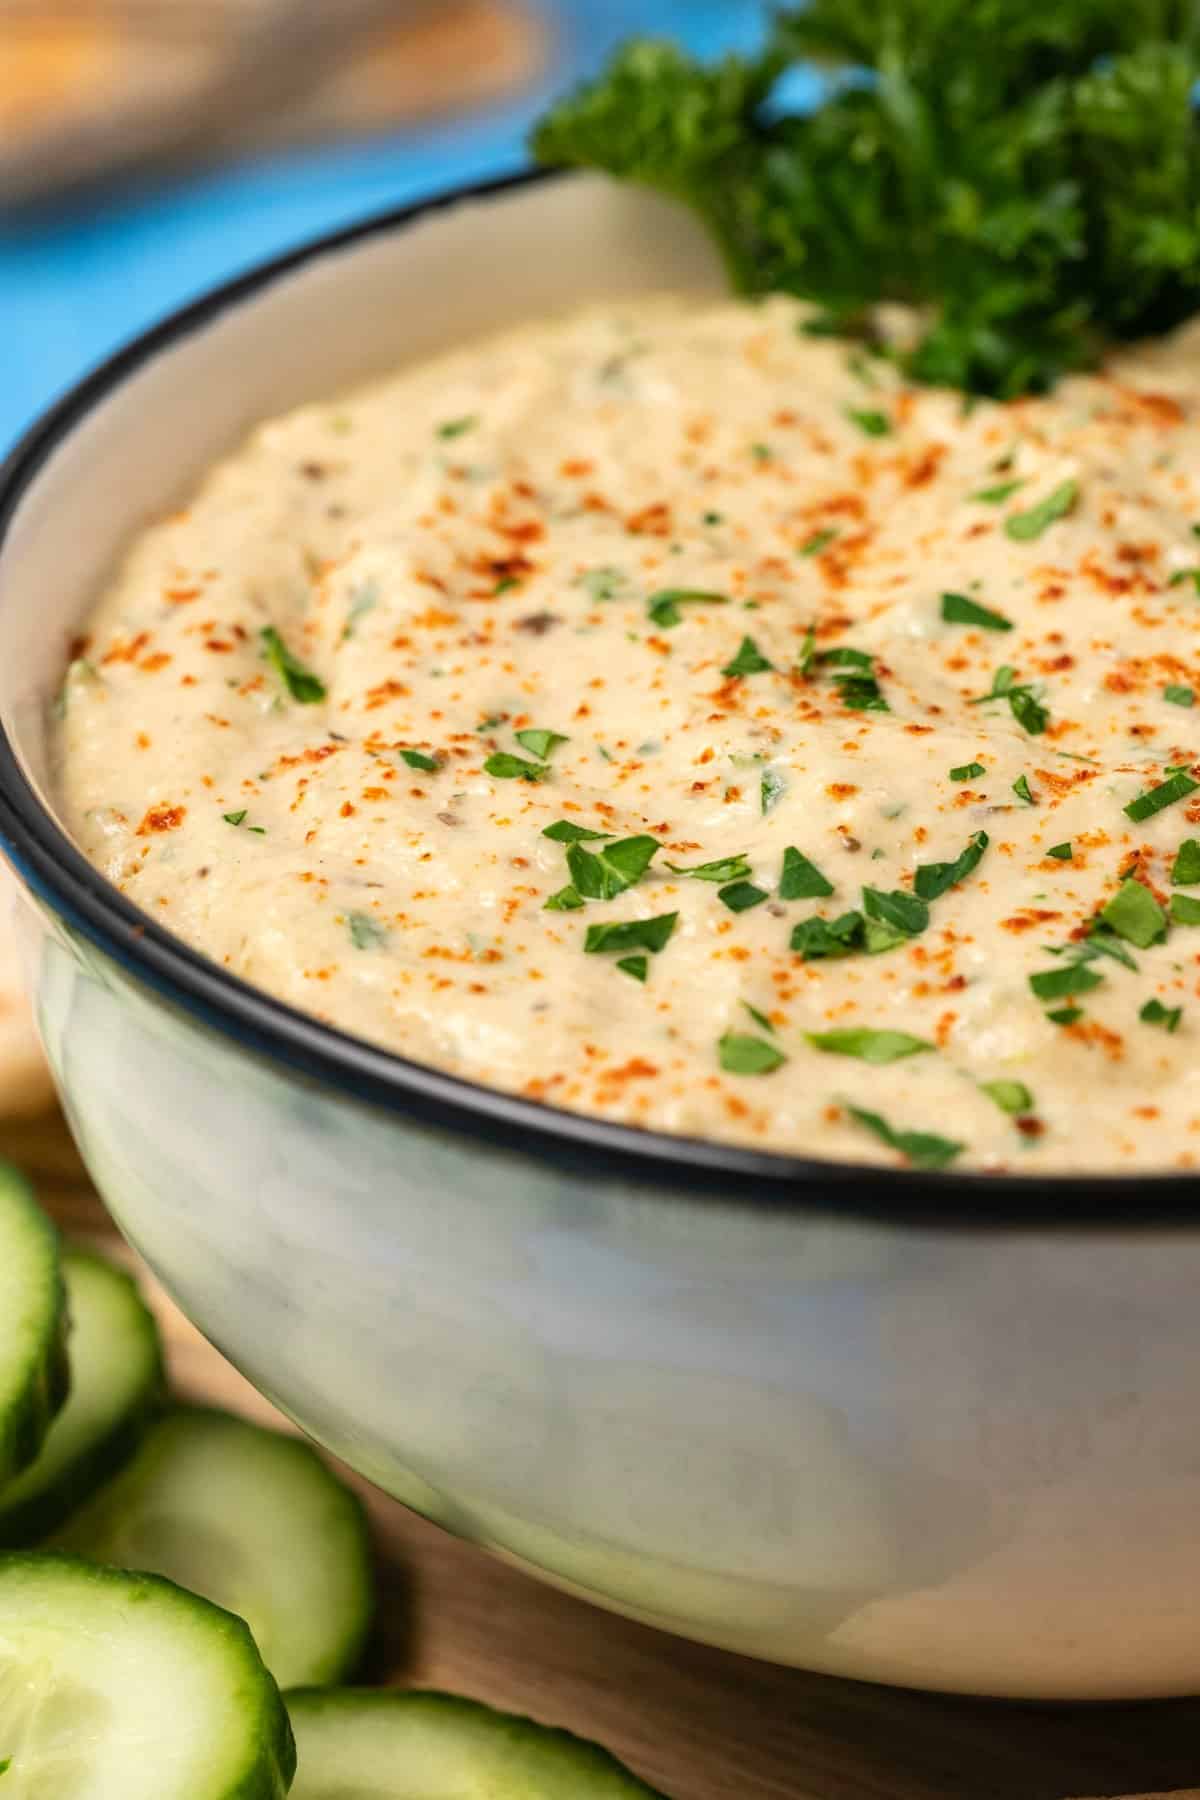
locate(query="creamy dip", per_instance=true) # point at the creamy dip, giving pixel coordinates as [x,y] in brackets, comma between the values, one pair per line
[860,703]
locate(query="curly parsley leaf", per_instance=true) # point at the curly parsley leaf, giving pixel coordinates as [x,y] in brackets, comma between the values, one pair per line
[1027,177]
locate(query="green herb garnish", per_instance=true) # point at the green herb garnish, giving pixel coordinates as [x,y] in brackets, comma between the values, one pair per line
[875,424]
[959,609]
[567,899]
[820,540]
[1024,526]
[934,879]
[453,428]
[506,767]
[631,934]
[1025,178]
[564,832]
[366,933]
[995,496]
[905,913]
[663,608]
[1176,787]
[854,678]
[1023,791]
[748,661]
[1185,871]
[922,1148]
[801,879]
[603,874]
[1061,852]
[235,818]
[878,1047]
[968,772]
[1065,1015]
[740,1053]
[300,682]
[725,868]
[603,584]
[1010,1096]
[1185,910]
[1179,696]
[771,789]
[759,1017]
[417,759]
[1135,915]
[820,939]
[1182,575]
[1056,984]
[1026,709]
[740,896]
[1155,1013]
[636,966]
[540,743]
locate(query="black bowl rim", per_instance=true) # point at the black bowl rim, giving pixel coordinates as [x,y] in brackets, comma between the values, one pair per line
[580,1145]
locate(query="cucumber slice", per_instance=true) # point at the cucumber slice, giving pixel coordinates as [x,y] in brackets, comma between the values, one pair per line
[251,1519]
[33,1362]
[116,1383]
[352,1744]
[122,1687]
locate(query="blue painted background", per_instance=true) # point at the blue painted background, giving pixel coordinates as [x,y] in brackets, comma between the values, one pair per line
[74,284]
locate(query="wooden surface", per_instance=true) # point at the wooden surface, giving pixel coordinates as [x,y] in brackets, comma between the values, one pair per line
[700,1724]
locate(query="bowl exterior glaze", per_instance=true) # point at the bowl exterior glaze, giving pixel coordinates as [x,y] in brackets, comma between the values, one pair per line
[899,1449]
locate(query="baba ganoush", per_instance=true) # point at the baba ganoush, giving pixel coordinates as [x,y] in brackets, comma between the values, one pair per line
[668,714]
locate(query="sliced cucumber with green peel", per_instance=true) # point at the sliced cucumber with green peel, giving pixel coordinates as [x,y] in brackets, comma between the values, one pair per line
[33,1364]
[352,1744]
[116,1384]
[251,1519]
[116,1686]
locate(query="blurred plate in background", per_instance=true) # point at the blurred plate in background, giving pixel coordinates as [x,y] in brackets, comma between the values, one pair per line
[90,89]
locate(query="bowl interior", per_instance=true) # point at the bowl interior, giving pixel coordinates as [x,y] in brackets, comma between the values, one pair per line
[145,428]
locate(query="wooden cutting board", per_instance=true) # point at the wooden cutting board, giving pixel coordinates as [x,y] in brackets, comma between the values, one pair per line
[698,1723]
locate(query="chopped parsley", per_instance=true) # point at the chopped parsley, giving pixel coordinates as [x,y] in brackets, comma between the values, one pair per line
[740,896]
[725,868]
[603,874]
[1026,709]
[905,913]
[748,661]
[234,818]
[663,608]
[635,966]
[1065,1015]
[453,428]
[868,1046]
[631,934]
[924,1149]
[1185,910]
[1155,1013]
[564,832]
[1176,787]
[1057,984]
[817,939]
[417,759]
[363,600]
[995,496]
[567,899]
[1182,575]
[1185,871]
[540,743]
[1179,696]
[801,879]
[968,772]
[875,424]
[366,933]
[1061,852]
[300,682]
[1023,526]
[1023,791]
[820,540]
[934,879]
[740,1053]
[854,678]
[504,766]
[771,789]
[1135,915]
[759,1018]
[1010,1096]
[959,609]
